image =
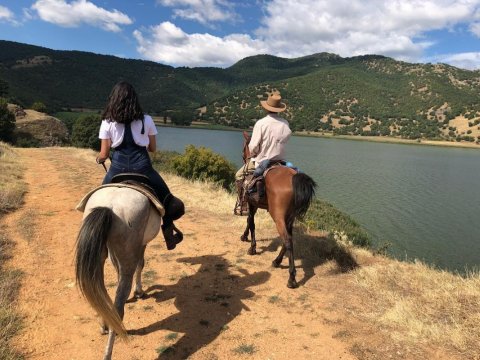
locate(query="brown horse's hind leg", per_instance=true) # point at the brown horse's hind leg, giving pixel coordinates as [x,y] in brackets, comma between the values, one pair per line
[285,231]
[138,293]
[278,260]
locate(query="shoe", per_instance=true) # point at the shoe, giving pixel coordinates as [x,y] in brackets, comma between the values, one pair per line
[172,236]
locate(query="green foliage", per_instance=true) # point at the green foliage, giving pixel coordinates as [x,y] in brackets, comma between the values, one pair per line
[69,117]
[203,164]
[182,117]
[7,122]
[323,216]
[85,132]
[39,106]
[163,160]
[3,88]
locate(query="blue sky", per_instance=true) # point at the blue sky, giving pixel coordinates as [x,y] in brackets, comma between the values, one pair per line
[221,32]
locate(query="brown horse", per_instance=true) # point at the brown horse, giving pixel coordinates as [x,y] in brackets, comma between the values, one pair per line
[288,197]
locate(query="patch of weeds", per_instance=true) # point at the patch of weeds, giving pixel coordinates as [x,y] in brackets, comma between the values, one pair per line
[204,322]
[314,335]
[171,336]
[111,284]
[241,260]
[26,224]
[50,213]
[341,334]
[273,299]
[303,297]
[148,307]
[273,330]
[150,275]
[299,325]
[219,267]
[156,246]
[245,349]
[224,327]
[172,278]
[164,349]
[183,275]
[217,297]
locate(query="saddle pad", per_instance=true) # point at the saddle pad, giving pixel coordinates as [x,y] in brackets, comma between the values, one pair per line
[153,199]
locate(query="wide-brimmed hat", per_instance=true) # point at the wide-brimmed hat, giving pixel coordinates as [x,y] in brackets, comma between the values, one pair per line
[274,103]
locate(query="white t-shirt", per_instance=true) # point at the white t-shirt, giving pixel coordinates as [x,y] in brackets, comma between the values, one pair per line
[114,131]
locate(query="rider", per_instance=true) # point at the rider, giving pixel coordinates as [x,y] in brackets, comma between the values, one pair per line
[269,137]
[131,133]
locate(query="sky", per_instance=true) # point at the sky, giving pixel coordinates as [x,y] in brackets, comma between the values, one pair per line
[220,32]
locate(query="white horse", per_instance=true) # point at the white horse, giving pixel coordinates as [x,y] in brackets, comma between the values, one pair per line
[118,222]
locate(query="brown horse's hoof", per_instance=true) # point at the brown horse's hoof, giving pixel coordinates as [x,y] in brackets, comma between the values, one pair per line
[244,238]
[275,264]
[252,251]
[292,284]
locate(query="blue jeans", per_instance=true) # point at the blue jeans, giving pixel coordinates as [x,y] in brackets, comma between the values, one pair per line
[260,169]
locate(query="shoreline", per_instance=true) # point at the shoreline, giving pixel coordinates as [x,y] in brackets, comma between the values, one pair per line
[379,139]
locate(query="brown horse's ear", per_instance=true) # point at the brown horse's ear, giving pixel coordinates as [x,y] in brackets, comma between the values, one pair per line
[246,135]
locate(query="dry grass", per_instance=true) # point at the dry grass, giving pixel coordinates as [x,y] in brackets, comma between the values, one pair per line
[12,188]
[415,304]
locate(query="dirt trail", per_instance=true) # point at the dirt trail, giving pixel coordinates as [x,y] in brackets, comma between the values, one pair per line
[206,300]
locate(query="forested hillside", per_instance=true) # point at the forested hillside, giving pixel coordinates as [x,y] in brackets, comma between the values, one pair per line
[366,95]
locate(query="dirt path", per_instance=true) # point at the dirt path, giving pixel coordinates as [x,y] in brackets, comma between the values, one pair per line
[206,300]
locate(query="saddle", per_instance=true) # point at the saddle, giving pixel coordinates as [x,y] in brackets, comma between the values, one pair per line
[133,181]
[247,190]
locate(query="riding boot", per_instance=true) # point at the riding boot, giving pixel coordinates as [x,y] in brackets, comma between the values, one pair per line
[172,236]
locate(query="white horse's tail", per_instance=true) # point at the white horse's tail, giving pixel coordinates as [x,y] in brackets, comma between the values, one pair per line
[89,259]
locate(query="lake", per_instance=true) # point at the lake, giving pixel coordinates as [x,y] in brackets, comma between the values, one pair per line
[422,200]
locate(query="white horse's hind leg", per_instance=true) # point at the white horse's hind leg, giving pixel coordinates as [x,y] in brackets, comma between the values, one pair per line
[138,293]
[109,348]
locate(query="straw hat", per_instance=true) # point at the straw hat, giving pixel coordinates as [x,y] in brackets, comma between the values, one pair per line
[274,103]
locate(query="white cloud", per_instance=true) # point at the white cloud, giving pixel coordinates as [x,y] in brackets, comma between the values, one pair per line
[7,15]
[78,12]
[355,27]
[167,43]
[293,28]
[467,60]
[203,11]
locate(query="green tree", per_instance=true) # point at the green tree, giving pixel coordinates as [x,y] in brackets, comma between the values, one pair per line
[85,132]
[182,117]
[7,122]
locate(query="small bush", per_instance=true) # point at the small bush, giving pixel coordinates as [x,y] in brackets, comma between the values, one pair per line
[203,164]
[323,216]
[163,160]
[7,122]
[39,106]
[85,132]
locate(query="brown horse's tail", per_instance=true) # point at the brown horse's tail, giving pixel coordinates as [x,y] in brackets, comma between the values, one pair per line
[91,247]
[303,193]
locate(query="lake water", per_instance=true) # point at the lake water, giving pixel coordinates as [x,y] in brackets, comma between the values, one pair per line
[423,200]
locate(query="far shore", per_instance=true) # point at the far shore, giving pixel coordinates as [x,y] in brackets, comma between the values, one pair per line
[381,139]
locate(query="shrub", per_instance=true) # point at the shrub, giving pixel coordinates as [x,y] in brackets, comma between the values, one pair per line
[323,216]
[163,160]
[7,122]
[39,106]
[85,132]
[203,164]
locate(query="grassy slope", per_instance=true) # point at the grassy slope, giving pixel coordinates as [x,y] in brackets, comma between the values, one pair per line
[12,190]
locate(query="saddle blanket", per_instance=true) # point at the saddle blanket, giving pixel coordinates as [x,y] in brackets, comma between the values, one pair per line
[153,199]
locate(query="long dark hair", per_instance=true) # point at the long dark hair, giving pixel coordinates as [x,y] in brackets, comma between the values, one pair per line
[123,105]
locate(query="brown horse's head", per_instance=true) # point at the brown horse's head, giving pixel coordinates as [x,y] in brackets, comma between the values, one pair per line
[246,151]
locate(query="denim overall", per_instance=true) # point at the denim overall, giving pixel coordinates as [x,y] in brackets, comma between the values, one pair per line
[130,157]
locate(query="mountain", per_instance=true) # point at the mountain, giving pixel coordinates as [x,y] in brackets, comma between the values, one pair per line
[364,95]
